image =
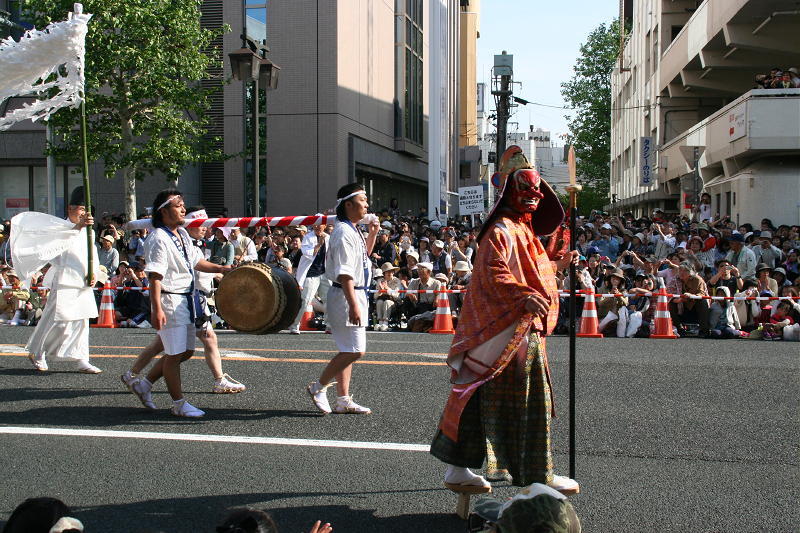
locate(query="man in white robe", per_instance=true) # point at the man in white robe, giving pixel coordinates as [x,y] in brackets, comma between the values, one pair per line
[38,239]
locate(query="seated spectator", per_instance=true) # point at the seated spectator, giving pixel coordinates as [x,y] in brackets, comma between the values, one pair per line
[13,310]
[132,307]
[640,310]
[384,251]
[107,255]
[723,319]
[417,305]
[441,259]
[222,252]
[727,276]
[462,275]
[386,302]
[685,309]
[792,265]
[612,310]
[244,249]
[766,252]
[763,281]
[37,515]
[773,329]
[741,256]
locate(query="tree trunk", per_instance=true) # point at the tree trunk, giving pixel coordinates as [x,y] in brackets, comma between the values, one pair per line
[129,173]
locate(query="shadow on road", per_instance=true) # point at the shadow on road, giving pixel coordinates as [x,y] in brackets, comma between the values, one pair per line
[203,513]
[106,416]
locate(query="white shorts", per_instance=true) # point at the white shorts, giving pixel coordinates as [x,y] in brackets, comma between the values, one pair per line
[178,339]
[350,339]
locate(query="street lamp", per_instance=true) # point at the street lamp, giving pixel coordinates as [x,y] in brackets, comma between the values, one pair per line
[249,64]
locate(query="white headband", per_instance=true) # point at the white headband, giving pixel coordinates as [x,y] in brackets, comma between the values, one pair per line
[167,201]
[201,213]
[341,200]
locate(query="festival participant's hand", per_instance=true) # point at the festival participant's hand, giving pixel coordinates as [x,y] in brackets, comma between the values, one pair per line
[319,527]
[570,258]
[159,319]
[537,305]
[354,315]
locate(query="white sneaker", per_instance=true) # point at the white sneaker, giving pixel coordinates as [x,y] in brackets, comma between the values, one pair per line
[144,324]
[184,408]
[227,385]
[128,379]
[319,395]
[346,405]
[38,364]
[141,387]
[84,367]
[564,485]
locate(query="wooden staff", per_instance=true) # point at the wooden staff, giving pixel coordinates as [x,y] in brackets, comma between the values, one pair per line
[573,188]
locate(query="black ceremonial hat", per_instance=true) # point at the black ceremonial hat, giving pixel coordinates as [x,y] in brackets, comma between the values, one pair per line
[77,197]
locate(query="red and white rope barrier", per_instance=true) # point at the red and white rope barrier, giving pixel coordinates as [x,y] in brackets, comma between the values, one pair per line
[243,222]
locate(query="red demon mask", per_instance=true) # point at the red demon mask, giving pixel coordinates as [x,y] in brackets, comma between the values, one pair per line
[525,190]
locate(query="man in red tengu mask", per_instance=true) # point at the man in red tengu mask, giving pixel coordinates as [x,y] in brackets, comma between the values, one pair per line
[500,406]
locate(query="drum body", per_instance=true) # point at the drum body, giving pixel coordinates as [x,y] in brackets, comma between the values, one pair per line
[259,299]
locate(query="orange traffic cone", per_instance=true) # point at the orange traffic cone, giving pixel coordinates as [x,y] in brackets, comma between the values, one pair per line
[308,316]
[589,316]
[106,318]
[661,317]
[443,321]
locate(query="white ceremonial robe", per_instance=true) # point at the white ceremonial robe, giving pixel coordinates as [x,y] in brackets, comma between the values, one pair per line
[38,239]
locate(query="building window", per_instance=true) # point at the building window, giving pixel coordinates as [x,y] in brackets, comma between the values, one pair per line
[24,188]
[408,34]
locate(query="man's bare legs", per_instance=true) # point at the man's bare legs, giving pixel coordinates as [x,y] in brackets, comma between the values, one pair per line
[341,368]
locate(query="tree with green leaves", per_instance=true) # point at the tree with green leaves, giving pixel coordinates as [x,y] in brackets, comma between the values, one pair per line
[588,92]
[145,106]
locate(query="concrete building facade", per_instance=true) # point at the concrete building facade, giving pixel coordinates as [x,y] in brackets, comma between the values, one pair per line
[685,116]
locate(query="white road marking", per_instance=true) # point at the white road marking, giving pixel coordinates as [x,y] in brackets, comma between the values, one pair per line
[234,439]
[234,353]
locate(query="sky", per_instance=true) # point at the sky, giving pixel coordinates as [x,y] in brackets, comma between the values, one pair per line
[545,37]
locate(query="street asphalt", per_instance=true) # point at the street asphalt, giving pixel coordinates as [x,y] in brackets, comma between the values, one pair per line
[672,435]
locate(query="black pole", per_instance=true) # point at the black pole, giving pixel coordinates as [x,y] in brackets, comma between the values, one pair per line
[572,312]
[86,191]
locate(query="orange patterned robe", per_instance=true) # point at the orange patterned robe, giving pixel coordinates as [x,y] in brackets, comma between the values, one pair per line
[511,265]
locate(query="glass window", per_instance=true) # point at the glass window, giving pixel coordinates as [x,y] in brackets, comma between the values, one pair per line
[14,190]
[40,188]
[256,22]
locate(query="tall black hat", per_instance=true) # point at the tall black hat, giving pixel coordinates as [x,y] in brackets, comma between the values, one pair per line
[77,197]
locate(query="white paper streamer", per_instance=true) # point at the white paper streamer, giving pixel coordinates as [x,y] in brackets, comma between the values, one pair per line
[27,63]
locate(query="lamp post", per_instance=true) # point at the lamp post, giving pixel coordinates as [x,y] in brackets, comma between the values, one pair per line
[249,64]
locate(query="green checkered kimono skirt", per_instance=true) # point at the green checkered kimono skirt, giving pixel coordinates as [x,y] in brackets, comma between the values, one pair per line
[507,423]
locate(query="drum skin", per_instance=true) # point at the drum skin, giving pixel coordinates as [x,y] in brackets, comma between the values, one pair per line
[259,299]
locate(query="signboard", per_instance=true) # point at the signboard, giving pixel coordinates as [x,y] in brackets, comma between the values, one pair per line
[737,124]
[646,159]
[470,200]
[481,95]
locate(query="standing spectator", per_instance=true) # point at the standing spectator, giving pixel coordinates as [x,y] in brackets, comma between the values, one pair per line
[107,255]
[741,257]
[310,270]
[462,251]
[703,211]
[295,251]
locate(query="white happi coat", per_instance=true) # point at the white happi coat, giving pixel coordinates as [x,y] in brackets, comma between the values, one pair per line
[38,239]
[346,254]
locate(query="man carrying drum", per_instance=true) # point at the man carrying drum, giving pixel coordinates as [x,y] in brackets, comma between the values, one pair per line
[223,383]
[348,267]
[171,260]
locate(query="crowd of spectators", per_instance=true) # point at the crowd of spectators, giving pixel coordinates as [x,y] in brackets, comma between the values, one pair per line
[779,78]
[622,258]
